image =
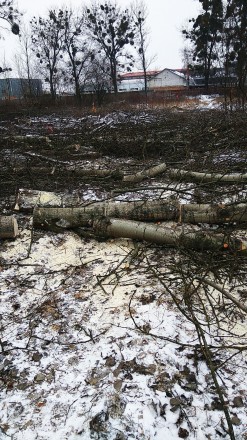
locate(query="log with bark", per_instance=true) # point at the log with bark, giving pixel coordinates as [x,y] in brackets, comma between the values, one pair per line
[50,210]
[183,175]
[111,227]
[8,227]
[198,240]
[116,174]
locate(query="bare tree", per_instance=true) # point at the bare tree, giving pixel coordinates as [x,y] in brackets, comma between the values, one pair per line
[26,63]
[48,39]
[9,14]
[140,14]
[98,78]
[111,29]
[77,49]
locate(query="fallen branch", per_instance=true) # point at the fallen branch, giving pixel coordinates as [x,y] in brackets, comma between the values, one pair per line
[224,293]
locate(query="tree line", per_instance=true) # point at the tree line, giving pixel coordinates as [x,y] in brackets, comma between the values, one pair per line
[85,48]
[89,48]
[218,41]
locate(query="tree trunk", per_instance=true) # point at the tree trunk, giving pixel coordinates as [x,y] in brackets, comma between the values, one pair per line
[198,240]
[57,219]
[53,218]
[67,170]
[50,208]
[206,177]
[145,174]
[8,227]
[116,174]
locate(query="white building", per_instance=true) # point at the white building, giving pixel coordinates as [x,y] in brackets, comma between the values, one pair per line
[157,80]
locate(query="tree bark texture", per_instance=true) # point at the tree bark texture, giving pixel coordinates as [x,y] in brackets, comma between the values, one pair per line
[57,219]
[183,175]
[116,174]
[197,240]
[157,210]
[8,227]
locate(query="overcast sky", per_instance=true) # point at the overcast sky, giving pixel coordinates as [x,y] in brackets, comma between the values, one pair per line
[166,17]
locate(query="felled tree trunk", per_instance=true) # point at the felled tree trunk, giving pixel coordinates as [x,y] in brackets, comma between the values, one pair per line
[112,227]
[145,174]
[197,240]
[8,227]
[116,174]
[53,218]
[184,175]
[206,177]
[158,210]
[68,170]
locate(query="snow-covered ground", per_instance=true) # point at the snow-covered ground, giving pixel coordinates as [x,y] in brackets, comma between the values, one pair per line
[92,343]
[76,365]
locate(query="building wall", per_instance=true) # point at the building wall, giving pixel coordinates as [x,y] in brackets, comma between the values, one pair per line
[16,88]
[163,80]
[131,85]
[166,78]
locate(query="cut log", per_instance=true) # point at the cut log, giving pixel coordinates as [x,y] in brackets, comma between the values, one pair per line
[198,240]
[53,218]
[50,211]
[206,177]
[184,175]
[146,174]
[8,227]
[56,219]
[116,174]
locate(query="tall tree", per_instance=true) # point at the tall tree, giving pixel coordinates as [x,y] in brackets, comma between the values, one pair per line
[97,78]
[77,49]
[9,14]
[48,39]
[140,14]
[236,15]
[25,61]
[112,30]
[206,34]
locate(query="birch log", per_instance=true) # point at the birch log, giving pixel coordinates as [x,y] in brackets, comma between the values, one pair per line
[206,177]
[145,174]
[8,227]
[197,240]
[112,227]
[158,210]
[50,218]
[116,174]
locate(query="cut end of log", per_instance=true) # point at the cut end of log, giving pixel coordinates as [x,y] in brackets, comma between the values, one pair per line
[8,227]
